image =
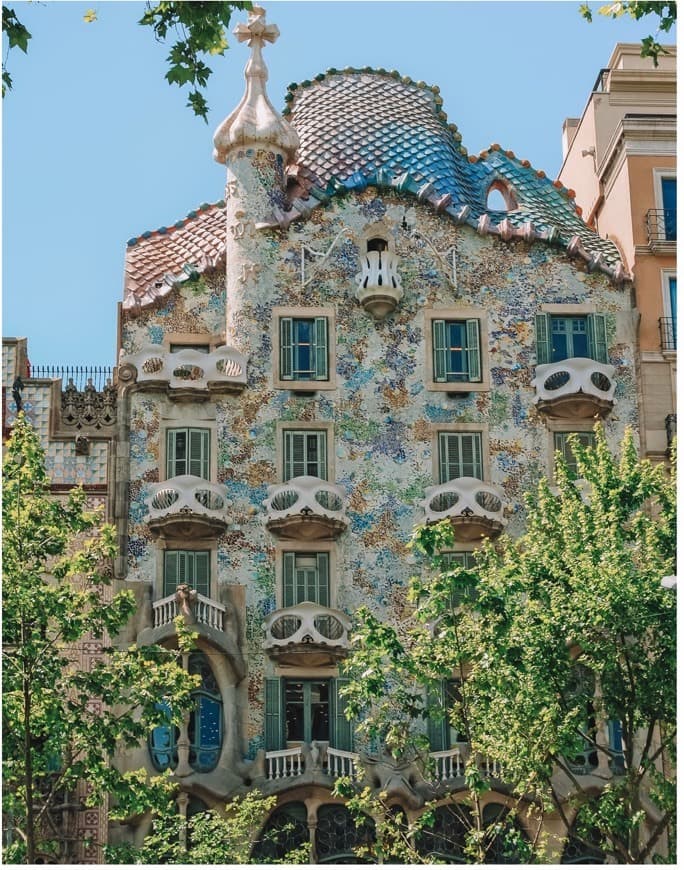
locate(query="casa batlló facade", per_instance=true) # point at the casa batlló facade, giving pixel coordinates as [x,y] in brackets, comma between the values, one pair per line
[353,341]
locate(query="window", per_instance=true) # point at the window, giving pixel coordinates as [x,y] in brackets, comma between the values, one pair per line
[442,734]
[669,196]
[458,559]
[305,710]
[560,338]
[460,455]
[205,725]
[186,566]
[464,590]
[456,351]
[187,452]
[306,577]
[562,445]
[672,295]
[304,348]
[305,453]
[200,348]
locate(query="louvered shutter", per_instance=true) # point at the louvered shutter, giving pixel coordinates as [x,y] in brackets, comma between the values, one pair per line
[321,348]
[288,579]
[437,727]
[321,454]
[198,453]
[322,579]
[471,460]
[199,579]
[598,342]
[543,337]
[295,454]
[449,456]
[439,351]
[474,364]
[342,728]
[171,571]
[286,349]
[274,722]
[170,453]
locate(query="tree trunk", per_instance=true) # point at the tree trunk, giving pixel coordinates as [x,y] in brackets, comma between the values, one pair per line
[28,777]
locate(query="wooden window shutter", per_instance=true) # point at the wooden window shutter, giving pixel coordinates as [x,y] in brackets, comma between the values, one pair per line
[171,571]
[474,356]
[274,736]
[321,348]
[323,580]
[436,726]
[322,454]
[598,341]
[342,728]
[286,349]
[170,453]
[449,454]
[439,351]
[198,453]
[288,579]
[200,576]
[543,337]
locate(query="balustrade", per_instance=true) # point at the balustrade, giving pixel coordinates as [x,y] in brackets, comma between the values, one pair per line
[186,368]
[176,506]
[378,284]
[306,508]
[475,508]
[339,763]
[205,611]
[307,633]
[284,763]
[576,387]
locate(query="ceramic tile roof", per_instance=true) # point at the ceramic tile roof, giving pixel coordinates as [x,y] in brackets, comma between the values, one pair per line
[363,127]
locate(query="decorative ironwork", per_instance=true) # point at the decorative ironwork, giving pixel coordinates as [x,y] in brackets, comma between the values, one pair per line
[661,225]
[668,333]
[90,407]
[81,376]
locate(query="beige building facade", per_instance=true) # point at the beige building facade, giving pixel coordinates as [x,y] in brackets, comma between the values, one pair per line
[620,158]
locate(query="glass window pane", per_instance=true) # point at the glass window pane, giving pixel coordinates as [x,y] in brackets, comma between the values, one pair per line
[294,710]
[320,725]
[457,354]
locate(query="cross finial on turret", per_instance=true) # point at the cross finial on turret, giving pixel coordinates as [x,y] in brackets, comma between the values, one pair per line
[256,30]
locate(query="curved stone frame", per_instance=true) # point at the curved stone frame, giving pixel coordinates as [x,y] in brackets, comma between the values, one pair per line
[457,313]
[303,312]
[188,416]
[283,426]
[300,547]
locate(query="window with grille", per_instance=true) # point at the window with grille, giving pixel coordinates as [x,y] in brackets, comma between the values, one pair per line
[560,338]
[460,455]
[304,348]
[186,566]
[187,452]
[306,578]
[456,351]
[304,453]
[562,445]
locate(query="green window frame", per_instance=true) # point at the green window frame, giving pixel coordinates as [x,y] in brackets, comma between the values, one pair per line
[305,452]
[563,337]
[302,710]
[188,452]
[562,445]
[187,566]
[304,349]
[441,733]
[456,353]
[460,455]
[306,577]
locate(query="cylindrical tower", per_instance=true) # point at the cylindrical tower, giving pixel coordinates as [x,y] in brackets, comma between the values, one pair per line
[256,144]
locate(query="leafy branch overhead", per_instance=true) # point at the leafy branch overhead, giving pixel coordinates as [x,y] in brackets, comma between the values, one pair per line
[638,9]
[200,29]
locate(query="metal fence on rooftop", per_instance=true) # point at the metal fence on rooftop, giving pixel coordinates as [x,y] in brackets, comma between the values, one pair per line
[99,375]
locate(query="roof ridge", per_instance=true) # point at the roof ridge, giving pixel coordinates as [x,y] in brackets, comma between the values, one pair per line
[179,224]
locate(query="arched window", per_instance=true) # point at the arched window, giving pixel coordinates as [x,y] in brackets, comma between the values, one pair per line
[584,841]
[444,840]
[377,243]
[582,693]
[500,197]
[338,836]
[285,831]
[205,727]
[504,847]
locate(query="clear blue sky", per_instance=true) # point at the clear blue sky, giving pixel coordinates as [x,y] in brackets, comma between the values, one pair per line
[98,148]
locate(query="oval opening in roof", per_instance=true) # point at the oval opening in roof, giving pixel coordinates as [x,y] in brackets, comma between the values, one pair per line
[500,197]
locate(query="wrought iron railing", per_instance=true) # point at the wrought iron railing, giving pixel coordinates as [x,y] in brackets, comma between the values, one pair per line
[661,225]
[80,375]
[668,333]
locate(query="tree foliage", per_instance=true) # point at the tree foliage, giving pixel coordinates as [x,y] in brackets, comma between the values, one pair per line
[570,628]
[638,9]
[199,29]
[61,723]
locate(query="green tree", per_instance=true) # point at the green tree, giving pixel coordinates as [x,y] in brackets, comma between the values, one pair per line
[569,628]
[198,28]
[637,9]
[62,724]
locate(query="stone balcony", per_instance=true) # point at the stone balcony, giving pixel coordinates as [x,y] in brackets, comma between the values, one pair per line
[307,634]
[577,388]
[306,509]
[187,506]
[286,765]
[450,764]
[378,284]
[187,374]
[475,508]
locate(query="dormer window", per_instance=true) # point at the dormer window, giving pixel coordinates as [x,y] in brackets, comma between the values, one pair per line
[376,244]
[500,197]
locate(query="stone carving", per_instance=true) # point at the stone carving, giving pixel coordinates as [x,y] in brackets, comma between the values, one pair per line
[89,408]
[186,598]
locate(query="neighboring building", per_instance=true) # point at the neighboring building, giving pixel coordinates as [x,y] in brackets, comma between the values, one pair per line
[620,157]
[355,340]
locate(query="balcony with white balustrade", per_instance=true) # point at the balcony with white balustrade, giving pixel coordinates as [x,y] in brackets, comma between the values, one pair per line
[186,374]
[185,507]
[306,509]
[576,388]
[475,508]
[450,764]
[283,766]
[307,635]
[378,284]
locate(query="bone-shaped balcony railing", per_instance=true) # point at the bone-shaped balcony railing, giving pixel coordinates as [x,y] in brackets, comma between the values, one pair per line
[466,498]
[187,494]
[306,495]
[378,270]
[307,623]
[572,376]
[187,368]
